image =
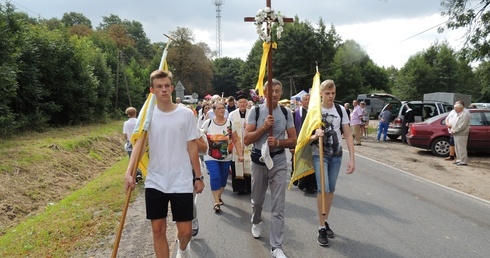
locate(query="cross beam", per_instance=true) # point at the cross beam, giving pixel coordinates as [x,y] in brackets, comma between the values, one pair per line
[269,60]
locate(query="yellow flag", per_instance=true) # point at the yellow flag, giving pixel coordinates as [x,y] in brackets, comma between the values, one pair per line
[142,124]
[163,64]
[144,119]
[263,64]
[303,163]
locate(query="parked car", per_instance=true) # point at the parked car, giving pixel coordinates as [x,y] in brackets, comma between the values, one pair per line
[422,111]
[188,99]
[433,134]
[481,105]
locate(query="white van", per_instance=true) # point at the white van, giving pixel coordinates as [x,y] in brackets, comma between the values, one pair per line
[188,99]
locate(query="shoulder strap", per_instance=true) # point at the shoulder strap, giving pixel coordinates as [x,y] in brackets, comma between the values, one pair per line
[283,109]
[339,110]
[341,114]
[257,111]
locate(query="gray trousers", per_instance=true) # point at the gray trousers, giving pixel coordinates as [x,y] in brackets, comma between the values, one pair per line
[276,179]
[460,143]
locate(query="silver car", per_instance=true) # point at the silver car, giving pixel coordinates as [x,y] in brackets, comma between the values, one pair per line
[422,111]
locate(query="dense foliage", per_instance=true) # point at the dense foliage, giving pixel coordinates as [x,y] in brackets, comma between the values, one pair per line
[474,16]
[63,72]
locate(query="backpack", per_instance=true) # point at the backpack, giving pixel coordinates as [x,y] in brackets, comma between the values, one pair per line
[257,111]
[341,114]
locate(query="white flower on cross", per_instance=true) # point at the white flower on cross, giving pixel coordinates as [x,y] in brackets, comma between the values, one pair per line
[268,16]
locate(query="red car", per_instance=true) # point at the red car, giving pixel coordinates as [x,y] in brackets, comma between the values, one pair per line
[432,134]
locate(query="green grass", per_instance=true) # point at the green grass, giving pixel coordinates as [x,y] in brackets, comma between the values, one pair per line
[76,223]
[62,171]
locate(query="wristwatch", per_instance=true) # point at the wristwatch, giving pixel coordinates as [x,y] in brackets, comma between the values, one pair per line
[199,179]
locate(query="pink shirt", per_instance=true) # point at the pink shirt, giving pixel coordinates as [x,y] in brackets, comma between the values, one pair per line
[355,117]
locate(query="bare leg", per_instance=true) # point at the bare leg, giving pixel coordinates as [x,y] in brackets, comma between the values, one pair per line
[160,244]
[216,195]
[451,151]
[328,203]
[184,234]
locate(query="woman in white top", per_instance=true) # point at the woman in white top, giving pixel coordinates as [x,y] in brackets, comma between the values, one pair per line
[205,108]
[218,158]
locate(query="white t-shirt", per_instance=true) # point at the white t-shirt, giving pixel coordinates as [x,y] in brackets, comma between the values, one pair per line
[128,127]
[219,139]
[170,168]
[332,140]
[452,118]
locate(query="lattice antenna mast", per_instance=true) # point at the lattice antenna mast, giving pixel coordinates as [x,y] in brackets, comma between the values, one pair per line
[218,4]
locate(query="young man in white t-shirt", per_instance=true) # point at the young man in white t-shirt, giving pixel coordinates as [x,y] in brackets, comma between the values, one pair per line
[332,154]
[172,137]
[128,129]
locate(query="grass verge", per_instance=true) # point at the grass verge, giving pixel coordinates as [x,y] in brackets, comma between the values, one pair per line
[75,223]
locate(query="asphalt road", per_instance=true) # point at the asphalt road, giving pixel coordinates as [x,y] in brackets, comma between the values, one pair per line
[378,211]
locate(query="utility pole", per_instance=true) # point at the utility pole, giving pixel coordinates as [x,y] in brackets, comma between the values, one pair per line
[218,4]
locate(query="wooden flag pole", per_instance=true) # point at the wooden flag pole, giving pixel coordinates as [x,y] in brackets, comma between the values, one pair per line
[139,149]
[322,166]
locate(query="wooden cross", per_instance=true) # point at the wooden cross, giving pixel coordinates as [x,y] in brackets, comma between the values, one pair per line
[269,59]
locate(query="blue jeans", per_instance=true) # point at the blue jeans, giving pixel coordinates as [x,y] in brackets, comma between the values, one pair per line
[383,127]
[218,173]
[331,167]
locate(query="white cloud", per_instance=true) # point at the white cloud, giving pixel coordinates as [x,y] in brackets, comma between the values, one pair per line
[392,41]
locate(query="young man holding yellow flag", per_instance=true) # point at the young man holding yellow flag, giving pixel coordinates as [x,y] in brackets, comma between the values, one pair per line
[319,149]
[172,136]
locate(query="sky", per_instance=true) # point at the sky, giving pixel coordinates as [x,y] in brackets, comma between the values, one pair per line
[389,31]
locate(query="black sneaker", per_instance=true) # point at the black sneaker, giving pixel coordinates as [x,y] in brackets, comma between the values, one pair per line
[330,233]
[322,237]
[139,178]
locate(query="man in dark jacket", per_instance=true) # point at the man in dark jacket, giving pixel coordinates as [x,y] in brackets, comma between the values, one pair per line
[407,119]
[307,183]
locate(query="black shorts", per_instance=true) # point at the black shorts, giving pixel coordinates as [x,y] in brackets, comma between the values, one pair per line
[157,205]
[451,140]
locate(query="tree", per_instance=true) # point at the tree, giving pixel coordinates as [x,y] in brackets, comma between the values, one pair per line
[296,56]
[483,75]
[299,50]
[347,70]
[476,20]
[72,19]
[437,69]
[11,30]
[226,73]
[189,61]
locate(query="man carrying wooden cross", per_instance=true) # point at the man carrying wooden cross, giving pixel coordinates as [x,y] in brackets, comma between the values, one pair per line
[266,129]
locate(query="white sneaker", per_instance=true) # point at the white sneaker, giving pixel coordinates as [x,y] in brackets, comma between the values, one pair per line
[195,227]
[184,253]
[256,230]
[278,253]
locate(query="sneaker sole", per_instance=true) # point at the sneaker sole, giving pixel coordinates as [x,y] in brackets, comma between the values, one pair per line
[322,244]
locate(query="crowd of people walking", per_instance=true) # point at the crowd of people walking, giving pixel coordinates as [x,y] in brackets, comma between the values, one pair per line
[234,136]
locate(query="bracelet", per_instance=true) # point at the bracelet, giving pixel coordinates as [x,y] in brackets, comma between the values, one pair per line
[277,145]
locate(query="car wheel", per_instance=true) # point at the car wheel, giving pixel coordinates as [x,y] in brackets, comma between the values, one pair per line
[440,147]
[393,137]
